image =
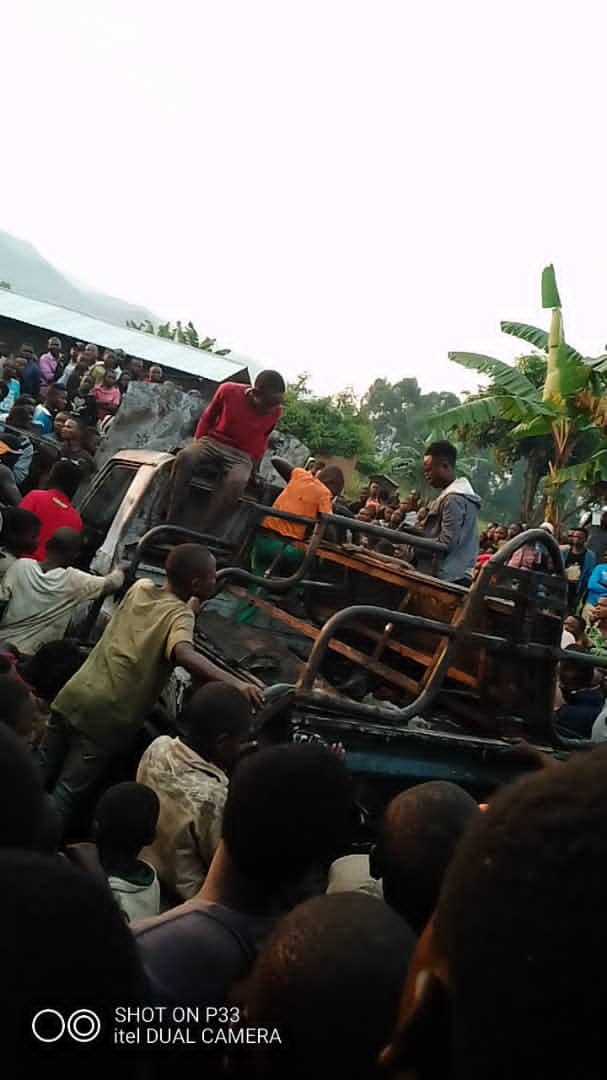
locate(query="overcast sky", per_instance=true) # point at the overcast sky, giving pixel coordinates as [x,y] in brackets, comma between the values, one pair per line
[348,188]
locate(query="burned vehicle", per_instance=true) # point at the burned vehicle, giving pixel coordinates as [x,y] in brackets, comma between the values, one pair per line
[418,678]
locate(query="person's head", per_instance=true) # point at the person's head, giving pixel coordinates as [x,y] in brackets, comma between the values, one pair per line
[405,506]
[125,819]
[70,959]
[155,373]
[76,350]
[268,391]
[54,347]
[317,467]
[599,612]
[123,381]
[59,423]
[21,416]
[52,666]
[396,519]
[63,547]
[20,531]
[373,490]
[418,835]
[28,351]
[109,360]
[91,353]
[366,513]
[329,979]
[574,624]
[505,979]
[109,378]
[190,570]
[65,476]
[87,383]
[217,721]
[574,676]
[515,529]
[500,534]
[56,398]
[439,464]
[72,430]
[333,478]
[136,368]
[422,514]
[9,369]
[576,539]
[289,809]
[17,707]
[21,363]
[22,804]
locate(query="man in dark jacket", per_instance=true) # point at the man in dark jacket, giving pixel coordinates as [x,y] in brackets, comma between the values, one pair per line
[452,518]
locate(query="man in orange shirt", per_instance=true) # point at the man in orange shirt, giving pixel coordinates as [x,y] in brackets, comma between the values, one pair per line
[307,495]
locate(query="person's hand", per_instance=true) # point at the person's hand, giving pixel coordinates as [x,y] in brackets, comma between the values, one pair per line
[338,749]
[254,695]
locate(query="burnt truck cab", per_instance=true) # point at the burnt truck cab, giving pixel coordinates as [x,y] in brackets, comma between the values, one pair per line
[418,678]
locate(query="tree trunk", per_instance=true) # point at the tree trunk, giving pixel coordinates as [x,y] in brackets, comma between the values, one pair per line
[536,463]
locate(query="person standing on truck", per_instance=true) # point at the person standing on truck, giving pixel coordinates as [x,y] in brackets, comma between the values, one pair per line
[99,711]
[452,518]
[232,434]
[307,494]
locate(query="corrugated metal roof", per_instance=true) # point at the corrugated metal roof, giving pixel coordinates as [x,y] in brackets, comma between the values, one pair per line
[155,350]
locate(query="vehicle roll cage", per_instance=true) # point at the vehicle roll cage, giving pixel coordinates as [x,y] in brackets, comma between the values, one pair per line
[455,635]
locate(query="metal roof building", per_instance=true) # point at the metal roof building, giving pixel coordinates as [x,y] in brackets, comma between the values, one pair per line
[53,319]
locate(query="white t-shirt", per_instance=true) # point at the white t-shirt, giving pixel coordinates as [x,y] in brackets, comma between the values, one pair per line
[37,606]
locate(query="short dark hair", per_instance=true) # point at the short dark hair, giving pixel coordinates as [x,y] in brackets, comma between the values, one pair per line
[520,924]
[65,476]
[52,666]
[270,382]
[17,524]
[418,835]
[583,674]
[186,562]
[442,450]
[126,817]
[332,476]
[57,388]
[288,808]
[21,794]
[329,979]
[580,529]
[65,543]
[14,694]
[213,710]
[65,945]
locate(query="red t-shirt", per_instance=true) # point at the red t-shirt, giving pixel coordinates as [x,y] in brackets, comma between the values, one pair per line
[55,512]
[105,395]
[232,420]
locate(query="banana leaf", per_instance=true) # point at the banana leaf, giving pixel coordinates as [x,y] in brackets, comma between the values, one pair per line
[503,375]
[533,335]
[550,292]
[592,471]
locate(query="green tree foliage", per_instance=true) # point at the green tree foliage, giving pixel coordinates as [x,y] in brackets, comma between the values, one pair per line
[182,334]
[5,285]
[327,425]
[555,421]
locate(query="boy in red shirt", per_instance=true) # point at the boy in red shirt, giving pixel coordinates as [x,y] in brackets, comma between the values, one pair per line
[232,432]
[54,507]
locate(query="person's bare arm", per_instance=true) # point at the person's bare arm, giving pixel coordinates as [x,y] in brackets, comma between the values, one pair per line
[113,581]
[282,468]
[185,656]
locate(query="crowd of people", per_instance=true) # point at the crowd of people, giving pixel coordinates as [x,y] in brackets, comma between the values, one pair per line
[225,884]
[57,406]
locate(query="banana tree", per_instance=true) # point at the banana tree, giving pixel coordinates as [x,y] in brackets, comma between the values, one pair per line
[571,400]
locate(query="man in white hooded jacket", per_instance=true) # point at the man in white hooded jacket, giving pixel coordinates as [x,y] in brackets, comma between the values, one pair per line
[452,518]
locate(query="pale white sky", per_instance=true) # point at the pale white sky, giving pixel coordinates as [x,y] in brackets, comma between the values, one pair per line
[351,188]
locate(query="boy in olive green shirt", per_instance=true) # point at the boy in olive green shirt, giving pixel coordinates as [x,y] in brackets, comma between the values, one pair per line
[100,709]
